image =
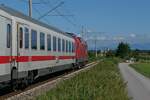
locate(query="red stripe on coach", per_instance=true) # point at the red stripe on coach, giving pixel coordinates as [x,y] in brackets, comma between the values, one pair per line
[5,59]
[66,57]
[22,58]
[41,58]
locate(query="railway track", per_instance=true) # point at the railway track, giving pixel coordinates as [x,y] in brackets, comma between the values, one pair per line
[43,84]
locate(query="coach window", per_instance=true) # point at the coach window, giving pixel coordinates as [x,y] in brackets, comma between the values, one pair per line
[26,38]
[21,37]
[8,35]
[42,41]
[63,45]
[33,39]
[54,43]
[49,42]
[72,47]
[59,44]
[66,46]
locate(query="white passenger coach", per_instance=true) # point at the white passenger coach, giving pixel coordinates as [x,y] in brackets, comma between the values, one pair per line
[29,48]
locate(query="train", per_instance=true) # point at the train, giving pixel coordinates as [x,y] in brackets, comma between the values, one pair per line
[30,48]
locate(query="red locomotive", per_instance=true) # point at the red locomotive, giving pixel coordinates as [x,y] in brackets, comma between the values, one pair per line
[81,53]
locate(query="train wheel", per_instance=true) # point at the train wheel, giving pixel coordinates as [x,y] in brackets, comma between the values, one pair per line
[79,66]
[73,66]
[24,83]
[30,77]
[14,84]
[14,81]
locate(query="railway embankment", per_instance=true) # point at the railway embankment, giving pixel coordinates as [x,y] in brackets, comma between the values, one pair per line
[35,90]
[101,82]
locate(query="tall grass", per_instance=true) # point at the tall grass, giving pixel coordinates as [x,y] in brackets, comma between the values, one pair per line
[143,68]
[102,82]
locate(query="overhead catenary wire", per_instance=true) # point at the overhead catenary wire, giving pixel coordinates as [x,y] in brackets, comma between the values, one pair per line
[41,14]
[48,4]
[59,13]
[33,2]
[51,10]
[36,10]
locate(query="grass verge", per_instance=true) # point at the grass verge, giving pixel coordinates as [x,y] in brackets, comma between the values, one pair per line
[143,68]
[102,82]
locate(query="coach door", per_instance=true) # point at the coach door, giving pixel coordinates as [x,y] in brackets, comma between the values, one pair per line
[22,49]
[8,40]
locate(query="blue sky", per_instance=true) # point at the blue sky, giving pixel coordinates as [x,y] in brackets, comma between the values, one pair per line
[116,20]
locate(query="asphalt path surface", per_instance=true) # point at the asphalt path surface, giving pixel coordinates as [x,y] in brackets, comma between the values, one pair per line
[138,86]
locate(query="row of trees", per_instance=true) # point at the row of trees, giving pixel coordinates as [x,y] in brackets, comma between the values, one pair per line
[123,51]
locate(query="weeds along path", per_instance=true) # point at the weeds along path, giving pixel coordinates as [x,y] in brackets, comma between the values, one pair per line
[102,82]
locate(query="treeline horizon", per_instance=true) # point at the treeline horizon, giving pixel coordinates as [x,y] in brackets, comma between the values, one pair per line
[138,50]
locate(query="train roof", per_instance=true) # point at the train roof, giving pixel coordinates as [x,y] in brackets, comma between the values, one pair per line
[79,38]
[23,16]
[72,34]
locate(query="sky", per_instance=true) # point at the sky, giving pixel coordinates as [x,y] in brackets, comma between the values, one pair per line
[106,21]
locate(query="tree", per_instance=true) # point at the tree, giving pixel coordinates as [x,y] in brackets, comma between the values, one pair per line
[123,50]
[135,54]
[110,53]
[91,54]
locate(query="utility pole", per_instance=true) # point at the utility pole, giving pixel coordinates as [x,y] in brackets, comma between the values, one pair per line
[95,46]
[95,40]
[30,8]
[82,31]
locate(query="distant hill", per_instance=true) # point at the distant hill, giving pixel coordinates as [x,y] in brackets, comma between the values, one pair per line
[145,46]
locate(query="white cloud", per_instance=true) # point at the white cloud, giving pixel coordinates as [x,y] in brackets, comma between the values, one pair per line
[79,35]
[100,38]
[118,38]
[133,35]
